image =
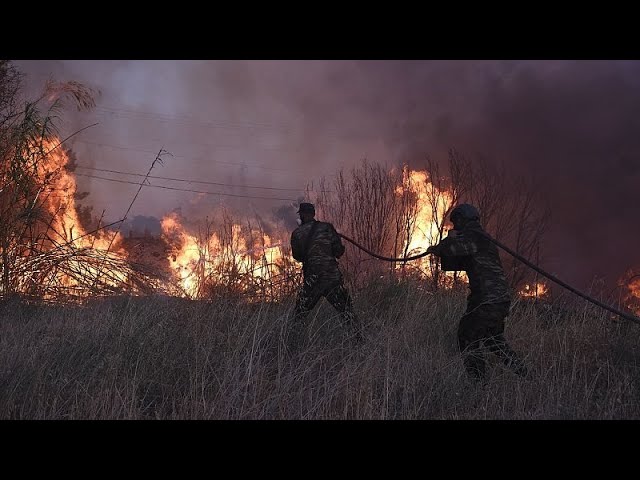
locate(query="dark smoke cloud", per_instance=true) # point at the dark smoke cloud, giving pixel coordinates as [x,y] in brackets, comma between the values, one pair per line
[571,125]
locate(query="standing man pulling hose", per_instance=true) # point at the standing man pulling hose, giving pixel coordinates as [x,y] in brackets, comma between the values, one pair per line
[318,246]
[481,328]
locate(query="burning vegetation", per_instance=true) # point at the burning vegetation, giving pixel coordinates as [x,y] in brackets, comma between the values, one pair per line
[228,259]
[630,286]
[53,249]
[50,252]
[47,253]
[537,290]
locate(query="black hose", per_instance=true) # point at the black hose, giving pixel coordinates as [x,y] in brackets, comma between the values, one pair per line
[387,259]
[555,279]
[551,277]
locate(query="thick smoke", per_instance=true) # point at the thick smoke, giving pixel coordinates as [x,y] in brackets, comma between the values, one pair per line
[571,125]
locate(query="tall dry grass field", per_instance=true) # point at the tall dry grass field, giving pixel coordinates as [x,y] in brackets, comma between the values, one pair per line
[167,358]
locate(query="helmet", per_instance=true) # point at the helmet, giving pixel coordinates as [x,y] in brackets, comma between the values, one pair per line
[465,211]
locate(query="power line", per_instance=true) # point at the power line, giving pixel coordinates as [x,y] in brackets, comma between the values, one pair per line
[185,190]
[203,182]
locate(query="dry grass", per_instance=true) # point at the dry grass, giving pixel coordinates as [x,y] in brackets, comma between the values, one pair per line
[169,358]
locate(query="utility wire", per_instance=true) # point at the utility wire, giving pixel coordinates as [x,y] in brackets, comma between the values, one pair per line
[185,189]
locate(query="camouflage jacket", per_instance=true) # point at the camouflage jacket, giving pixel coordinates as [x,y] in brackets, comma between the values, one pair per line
[481,261]
[324,248]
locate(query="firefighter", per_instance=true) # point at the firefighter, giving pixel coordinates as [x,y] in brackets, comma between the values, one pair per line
[481,328]
[318,246]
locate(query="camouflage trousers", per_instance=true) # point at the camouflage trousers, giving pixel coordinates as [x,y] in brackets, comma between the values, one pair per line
[481,331]
[333,289]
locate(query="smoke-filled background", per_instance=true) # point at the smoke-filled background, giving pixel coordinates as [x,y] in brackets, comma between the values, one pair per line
[570,125]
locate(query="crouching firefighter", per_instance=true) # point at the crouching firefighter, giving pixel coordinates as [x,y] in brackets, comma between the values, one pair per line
[318,246]
[481,328]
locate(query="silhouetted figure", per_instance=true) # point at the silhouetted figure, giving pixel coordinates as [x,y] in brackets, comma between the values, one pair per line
[318,246]
[481,328]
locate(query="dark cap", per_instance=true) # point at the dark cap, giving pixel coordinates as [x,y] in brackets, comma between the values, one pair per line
[307,208]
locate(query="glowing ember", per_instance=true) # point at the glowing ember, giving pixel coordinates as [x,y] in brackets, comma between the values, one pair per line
[537,290]
[631,284]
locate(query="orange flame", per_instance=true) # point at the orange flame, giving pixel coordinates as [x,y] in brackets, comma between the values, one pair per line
[56,195]
[432,207]
[61,204]
[186,256]
[538,290]
[634,287]
[631,282]
[239,252]
[240,255]
[430,228]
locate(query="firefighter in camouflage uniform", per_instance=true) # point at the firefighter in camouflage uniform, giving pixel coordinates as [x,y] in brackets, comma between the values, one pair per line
[317,245]
[481,328]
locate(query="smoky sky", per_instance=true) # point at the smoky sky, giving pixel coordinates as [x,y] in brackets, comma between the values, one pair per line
[572,126]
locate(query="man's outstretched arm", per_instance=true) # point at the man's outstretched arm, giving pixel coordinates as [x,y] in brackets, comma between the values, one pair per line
[456,245]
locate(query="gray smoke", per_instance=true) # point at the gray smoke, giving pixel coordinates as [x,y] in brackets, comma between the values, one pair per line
[571,125]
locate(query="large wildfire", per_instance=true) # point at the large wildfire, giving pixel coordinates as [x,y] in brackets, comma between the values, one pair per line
[220,257]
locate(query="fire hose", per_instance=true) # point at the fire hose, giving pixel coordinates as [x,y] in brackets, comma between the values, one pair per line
[387,259]
[517,256]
